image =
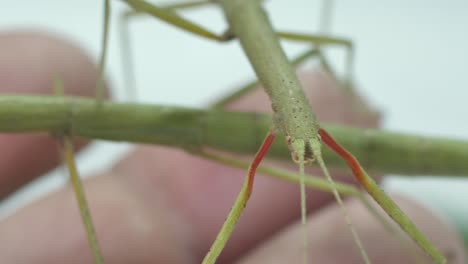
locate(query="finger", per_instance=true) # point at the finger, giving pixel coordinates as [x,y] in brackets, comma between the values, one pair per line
[331,240]
[29,62]
[130,228]
[174,196]
[204,191]
[184,218]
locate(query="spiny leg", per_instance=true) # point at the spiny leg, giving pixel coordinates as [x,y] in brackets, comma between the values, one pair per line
[81,199]
[390,207]
[239,204]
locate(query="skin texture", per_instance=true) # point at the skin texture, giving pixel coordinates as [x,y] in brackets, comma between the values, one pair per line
[28,64]
[161,205]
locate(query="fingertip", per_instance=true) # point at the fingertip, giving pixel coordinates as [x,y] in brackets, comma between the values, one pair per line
[128,230]
[29,62]
[331,240]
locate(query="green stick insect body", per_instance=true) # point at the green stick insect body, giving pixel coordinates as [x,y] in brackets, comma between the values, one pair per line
[192,129]
[200,128]
[293,116]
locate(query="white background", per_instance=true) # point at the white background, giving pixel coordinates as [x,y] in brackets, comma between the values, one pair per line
[411,62]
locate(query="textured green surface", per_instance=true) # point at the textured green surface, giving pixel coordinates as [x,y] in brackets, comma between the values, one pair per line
[250,24]
[190,129]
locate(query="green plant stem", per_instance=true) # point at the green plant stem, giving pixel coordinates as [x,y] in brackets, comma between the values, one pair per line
[191,129]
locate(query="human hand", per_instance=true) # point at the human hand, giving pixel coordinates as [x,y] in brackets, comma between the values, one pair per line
[162,205]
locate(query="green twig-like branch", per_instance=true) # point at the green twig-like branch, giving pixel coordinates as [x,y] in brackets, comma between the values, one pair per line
[81,199]
[191,129]
[293,115]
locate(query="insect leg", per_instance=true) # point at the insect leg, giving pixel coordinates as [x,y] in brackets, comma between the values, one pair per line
[169,16]
[77,185]
[325,40]
[246,88]
[239,204]
[103,56]
[390,207]
[124,33]
[81,199]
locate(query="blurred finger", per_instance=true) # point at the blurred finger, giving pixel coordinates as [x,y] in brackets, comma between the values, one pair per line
[204,191]
[29,61]
[159,193]
[130,228]
[331,240]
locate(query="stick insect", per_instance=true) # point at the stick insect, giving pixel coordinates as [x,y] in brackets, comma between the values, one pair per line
[298,154]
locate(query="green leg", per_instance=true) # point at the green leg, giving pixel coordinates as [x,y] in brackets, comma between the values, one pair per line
[316,150]
[245,89]
[326,16]
[254,84]
[126,54]
[324,29]
[81,199]
[188,4]
[69,159]
[102,59]
[239,204]
[326,41]
[383,200]
[314,52]
[167,14]
[316,183]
